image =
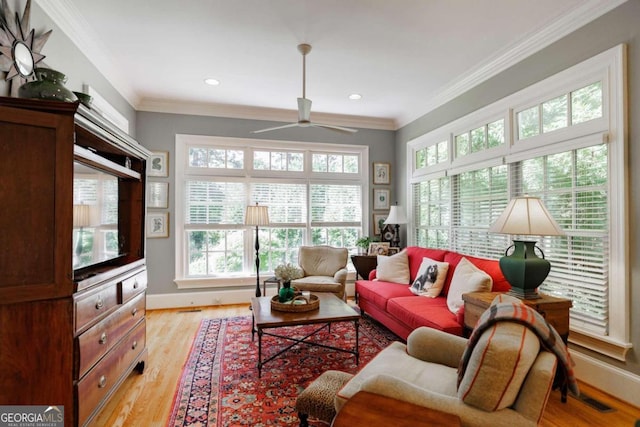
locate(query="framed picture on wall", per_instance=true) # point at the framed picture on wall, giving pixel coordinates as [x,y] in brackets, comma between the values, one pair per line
[158,164]
[381,198]
[157,225]
[381,173]
[158,194]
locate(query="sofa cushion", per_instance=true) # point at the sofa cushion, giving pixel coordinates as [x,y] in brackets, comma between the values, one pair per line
[431,312]
[489,266]
[430,278]
[416,254]
[498,366]
[466,278]
[393,268]
[379,293]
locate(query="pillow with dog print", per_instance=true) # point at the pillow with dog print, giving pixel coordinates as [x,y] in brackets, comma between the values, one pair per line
[430,278]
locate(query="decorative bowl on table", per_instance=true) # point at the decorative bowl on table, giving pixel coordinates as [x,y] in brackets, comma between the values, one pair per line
[299,304]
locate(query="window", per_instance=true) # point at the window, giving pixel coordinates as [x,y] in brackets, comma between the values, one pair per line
[314,197]
[572,154]
[566,110]
[479,139]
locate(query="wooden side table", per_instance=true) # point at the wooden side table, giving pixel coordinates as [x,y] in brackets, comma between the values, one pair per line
[364,264]
[374,410]
[554,310]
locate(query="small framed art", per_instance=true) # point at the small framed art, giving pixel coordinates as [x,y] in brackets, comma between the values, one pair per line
[158,225]
[158,164]
[158,195]
[378,223]
[378,248]
[381,173]
[380,198]
[393,251]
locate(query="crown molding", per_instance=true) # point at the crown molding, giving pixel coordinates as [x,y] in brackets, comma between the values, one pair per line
[535,42]
[72,23]
[259,113]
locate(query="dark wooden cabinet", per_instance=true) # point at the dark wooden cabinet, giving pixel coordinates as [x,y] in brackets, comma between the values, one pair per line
[68,337]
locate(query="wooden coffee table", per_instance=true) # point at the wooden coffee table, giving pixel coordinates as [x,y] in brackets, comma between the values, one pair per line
[332,309]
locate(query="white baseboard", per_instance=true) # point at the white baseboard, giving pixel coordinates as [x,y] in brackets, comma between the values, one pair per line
[213,297]
[612,380]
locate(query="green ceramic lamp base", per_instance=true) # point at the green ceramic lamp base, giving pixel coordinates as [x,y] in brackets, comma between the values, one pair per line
[524,270]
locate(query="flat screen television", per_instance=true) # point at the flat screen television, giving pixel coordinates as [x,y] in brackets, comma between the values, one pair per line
[96,235]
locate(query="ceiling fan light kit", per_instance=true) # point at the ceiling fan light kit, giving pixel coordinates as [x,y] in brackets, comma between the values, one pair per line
[304,104]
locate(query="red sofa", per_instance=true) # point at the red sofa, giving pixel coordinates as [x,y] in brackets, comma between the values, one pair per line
[396,307]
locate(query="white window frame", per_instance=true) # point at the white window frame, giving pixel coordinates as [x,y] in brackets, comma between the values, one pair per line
[182,144]
[610,68]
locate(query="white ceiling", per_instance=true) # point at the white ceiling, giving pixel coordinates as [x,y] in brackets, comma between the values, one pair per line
[405,57]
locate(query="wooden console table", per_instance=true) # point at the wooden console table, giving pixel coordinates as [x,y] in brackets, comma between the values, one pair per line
[375,410]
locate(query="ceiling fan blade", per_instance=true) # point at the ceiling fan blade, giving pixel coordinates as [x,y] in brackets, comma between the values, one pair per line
[304,109]
[332,127]
[276,127]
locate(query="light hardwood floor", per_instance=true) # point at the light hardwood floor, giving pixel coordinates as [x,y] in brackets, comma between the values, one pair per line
[145,400]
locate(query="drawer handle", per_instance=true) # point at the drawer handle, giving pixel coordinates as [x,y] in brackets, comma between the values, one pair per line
[103,338]
[134,345]
[99,304]
[103,382]
[134,311]
[135,285]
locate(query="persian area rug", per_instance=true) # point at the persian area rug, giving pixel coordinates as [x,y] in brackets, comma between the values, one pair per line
[219,385]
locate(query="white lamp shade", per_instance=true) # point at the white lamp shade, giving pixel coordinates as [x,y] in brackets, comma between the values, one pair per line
[81,216]
[396,216]
[256,215]
[526,215]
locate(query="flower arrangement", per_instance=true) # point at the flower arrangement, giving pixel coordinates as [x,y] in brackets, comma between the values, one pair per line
[288,272]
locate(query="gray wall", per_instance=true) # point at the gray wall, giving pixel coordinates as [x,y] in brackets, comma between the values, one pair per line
[157,132]
[64,56]
[618,26]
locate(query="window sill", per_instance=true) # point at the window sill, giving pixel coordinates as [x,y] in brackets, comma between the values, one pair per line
[220,282]
[603,345]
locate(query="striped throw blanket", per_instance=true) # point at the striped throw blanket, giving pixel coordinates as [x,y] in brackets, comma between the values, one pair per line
[520,313]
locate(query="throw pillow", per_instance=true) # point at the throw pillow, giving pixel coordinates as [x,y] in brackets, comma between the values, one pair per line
[498,366]
[466,278]
[394,268]
[430,278]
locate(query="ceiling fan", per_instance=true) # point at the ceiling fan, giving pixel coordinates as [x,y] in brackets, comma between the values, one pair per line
[304,104]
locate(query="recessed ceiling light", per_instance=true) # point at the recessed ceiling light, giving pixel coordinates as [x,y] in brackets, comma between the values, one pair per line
[212,81]
[355,96]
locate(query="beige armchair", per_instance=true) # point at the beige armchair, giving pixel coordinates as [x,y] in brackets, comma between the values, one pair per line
[425,372]
[324,269]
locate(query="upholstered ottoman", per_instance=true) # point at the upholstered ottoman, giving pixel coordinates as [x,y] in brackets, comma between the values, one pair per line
[317,399]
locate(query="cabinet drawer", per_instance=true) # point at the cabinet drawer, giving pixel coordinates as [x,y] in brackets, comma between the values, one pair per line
[132,286]
[94,304]
[100,380]
[96,341]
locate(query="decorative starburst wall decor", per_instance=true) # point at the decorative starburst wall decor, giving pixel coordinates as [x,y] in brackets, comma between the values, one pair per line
[19,47]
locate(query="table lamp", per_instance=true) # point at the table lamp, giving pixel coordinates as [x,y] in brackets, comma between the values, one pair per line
[257,216]
[523,269]
[396,217]
[81,219]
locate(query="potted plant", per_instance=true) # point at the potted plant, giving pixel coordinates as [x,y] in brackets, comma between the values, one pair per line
[286,273]
[363,243]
